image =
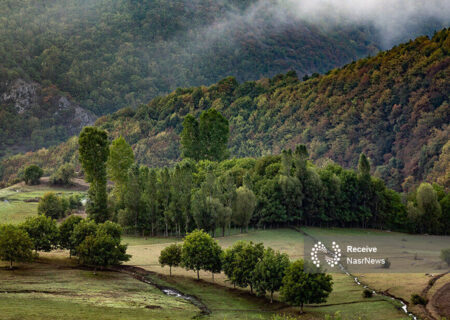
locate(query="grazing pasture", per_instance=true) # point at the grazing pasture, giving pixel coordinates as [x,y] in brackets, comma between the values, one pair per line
[56,289]
[346,296]
[21,201]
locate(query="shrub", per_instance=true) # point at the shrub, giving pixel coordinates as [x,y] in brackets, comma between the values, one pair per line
[387,264]
[367,293]
[418,299]
[75,201]
[32,174]
[63,176]
[43,232]
[445,256]
[65,233]
[53,206]
[102,250]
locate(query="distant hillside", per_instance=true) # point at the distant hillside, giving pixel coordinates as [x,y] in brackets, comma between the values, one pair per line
[394,107]
[109,54]
[32,117]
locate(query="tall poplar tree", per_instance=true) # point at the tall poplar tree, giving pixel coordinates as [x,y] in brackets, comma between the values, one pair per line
[94,151]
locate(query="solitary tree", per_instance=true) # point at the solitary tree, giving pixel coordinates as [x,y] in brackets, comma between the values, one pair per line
[214,132]
[51,206]
[65,233]
[94,151]
[15,245]
[170,256]
[190,138]
[363,165]
[445,256]
[244,206]
[43,232]
[429,208]
[214,263]
[300,286]
[269,272]
[33,174]
[64,175]
[81,231]
[206,138]
[246,259]
[120,159]
[197,251]
[101,250]
[230,262]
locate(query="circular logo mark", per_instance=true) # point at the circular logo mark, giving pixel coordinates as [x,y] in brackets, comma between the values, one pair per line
[331,257]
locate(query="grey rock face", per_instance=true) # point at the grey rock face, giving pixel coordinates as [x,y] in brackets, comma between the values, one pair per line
[23,95]
[27,96]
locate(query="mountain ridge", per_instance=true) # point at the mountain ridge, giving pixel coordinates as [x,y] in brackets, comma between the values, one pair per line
[394,107]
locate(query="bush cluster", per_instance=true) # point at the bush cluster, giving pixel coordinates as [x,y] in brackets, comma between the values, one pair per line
[96,245]
[57,207]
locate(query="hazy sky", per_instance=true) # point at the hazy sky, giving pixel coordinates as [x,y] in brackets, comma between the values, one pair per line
[395,20]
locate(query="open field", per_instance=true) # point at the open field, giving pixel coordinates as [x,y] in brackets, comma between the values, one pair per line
[58,291]
[58,288]
[14,207]
[345,296]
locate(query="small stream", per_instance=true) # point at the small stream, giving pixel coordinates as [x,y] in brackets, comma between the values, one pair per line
[403,304]
[141,275]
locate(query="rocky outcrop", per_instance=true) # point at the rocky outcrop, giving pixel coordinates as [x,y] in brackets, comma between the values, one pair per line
[29,99]
[21,94]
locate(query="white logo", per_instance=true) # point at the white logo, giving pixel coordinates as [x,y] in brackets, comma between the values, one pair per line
[332,258]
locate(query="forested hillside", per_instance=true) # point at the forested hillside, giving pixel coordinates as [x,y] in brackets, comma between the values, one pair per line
[32,117]
[112,53]
[394,107]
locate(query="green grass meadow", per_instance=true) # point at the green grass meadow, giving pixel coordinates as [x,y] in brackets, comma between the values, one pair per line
[55,288]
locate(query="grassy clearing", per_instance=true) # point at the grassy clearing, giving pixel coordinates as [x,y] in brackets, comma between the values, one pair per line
[13,206]
[406,252]
[58,291]
[229,303]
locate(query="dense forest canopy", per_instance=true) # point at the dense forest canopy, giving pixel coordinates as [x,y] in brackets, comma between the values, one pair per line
[394,107]
[103,55]
[112,53]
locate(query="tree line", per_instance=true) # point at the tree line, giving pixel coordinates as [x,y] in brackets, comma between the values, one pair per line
[265,192]
[96,245]
[248,264]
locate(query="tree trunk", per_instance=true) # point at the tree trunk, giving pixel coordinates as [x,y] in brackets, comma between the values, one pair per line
[170,270]
[271,296]
[223,231]
[10,264]
[251,289]
[198,275]
[212,276]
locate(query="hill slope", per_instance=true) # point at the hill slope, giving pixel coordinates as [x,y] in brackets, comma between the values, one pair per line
[394,107]
[112,53]
[32,117]
[109,54]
